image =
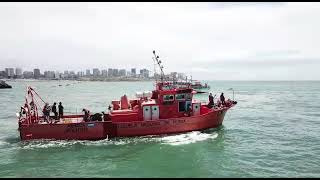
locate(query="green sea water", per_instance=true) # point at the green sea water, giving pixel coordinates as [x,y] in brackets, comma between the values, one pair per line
[273,131]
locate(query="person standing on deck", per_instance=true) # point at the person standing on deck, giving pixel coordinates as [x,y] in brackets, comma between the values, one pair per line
[54,110]
[86,115]
[211,102]
[46,112]
[60,107]
[222,99]
[189,110]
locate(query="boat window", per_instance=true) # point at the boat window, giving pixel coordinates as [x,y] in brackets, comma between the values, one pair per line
[188,96]
[168,97]
[167,87]
[180,96]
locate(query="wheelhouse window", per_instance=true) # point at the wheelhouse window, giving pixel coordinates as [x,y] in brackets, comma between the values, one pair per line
[188,96]
[167,87]
[169,97]
[180,97]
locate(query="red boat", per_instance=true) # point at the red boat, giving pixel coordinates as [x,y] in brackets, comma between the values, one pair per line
[168,109]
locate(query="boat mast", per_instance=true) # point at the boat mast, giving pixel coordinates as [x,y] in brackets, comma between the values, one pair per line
[160,66]
[155,70]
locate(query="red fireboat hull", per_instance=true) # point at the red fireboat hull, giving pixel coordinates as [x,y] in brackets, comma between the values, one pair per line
[107,129]
[171,126]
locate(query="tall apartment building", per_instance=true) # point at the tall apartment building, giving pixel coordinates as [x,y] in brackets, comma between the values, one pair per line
[19,72]
[122,72]
[10,72]
[96,72]
[133,72]
[110,72]
[104,73]
[36,73]
[28,74]
[115,72]
[88,72]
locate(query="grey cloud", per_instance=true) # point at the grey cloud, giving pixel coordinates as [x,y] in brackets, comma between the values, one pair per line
[81,35]
[246,4]
[277,53]
[258,63]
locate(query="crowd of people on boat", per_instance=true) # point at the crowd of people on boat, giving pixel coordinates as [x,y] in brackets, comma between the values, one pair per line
[30,109]
[56,114]
[220,103]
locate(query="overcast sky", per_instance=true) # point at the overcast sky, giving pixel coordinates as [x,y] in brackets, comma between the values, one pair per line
[211,41]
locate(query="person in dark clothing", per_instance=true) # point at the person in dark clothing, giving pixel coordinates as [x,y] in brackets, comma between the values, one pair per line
[189,110]
[46,112]
[222,99]
[54,110]
[86,115]
[60,107]
[211,102]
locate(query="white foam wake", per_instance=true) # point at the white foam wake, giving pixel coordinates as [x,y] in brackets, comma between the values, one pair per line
[3,143]
[67,143]
[187,138]
[179,139]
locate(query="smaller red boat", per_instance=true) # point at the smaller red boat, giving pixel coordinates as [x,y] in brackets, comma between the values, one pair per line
[168,109]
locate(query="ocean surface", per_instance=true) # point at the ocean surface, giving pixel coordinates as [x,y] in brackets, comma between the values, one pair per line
[273,131]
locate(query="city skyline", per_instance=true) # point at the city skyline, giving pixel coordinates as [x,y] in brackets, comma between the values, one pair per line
[10,71]
[94,74]
[72,69]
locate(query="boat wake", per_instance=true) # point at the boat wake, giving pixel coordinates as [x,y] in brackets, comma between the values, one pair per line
[35,144]
[179,139]
[3,143]
[188,138]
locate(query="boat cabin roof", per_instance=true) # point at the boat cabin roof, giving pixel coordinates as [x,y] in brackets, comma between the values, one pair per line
[149,102]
